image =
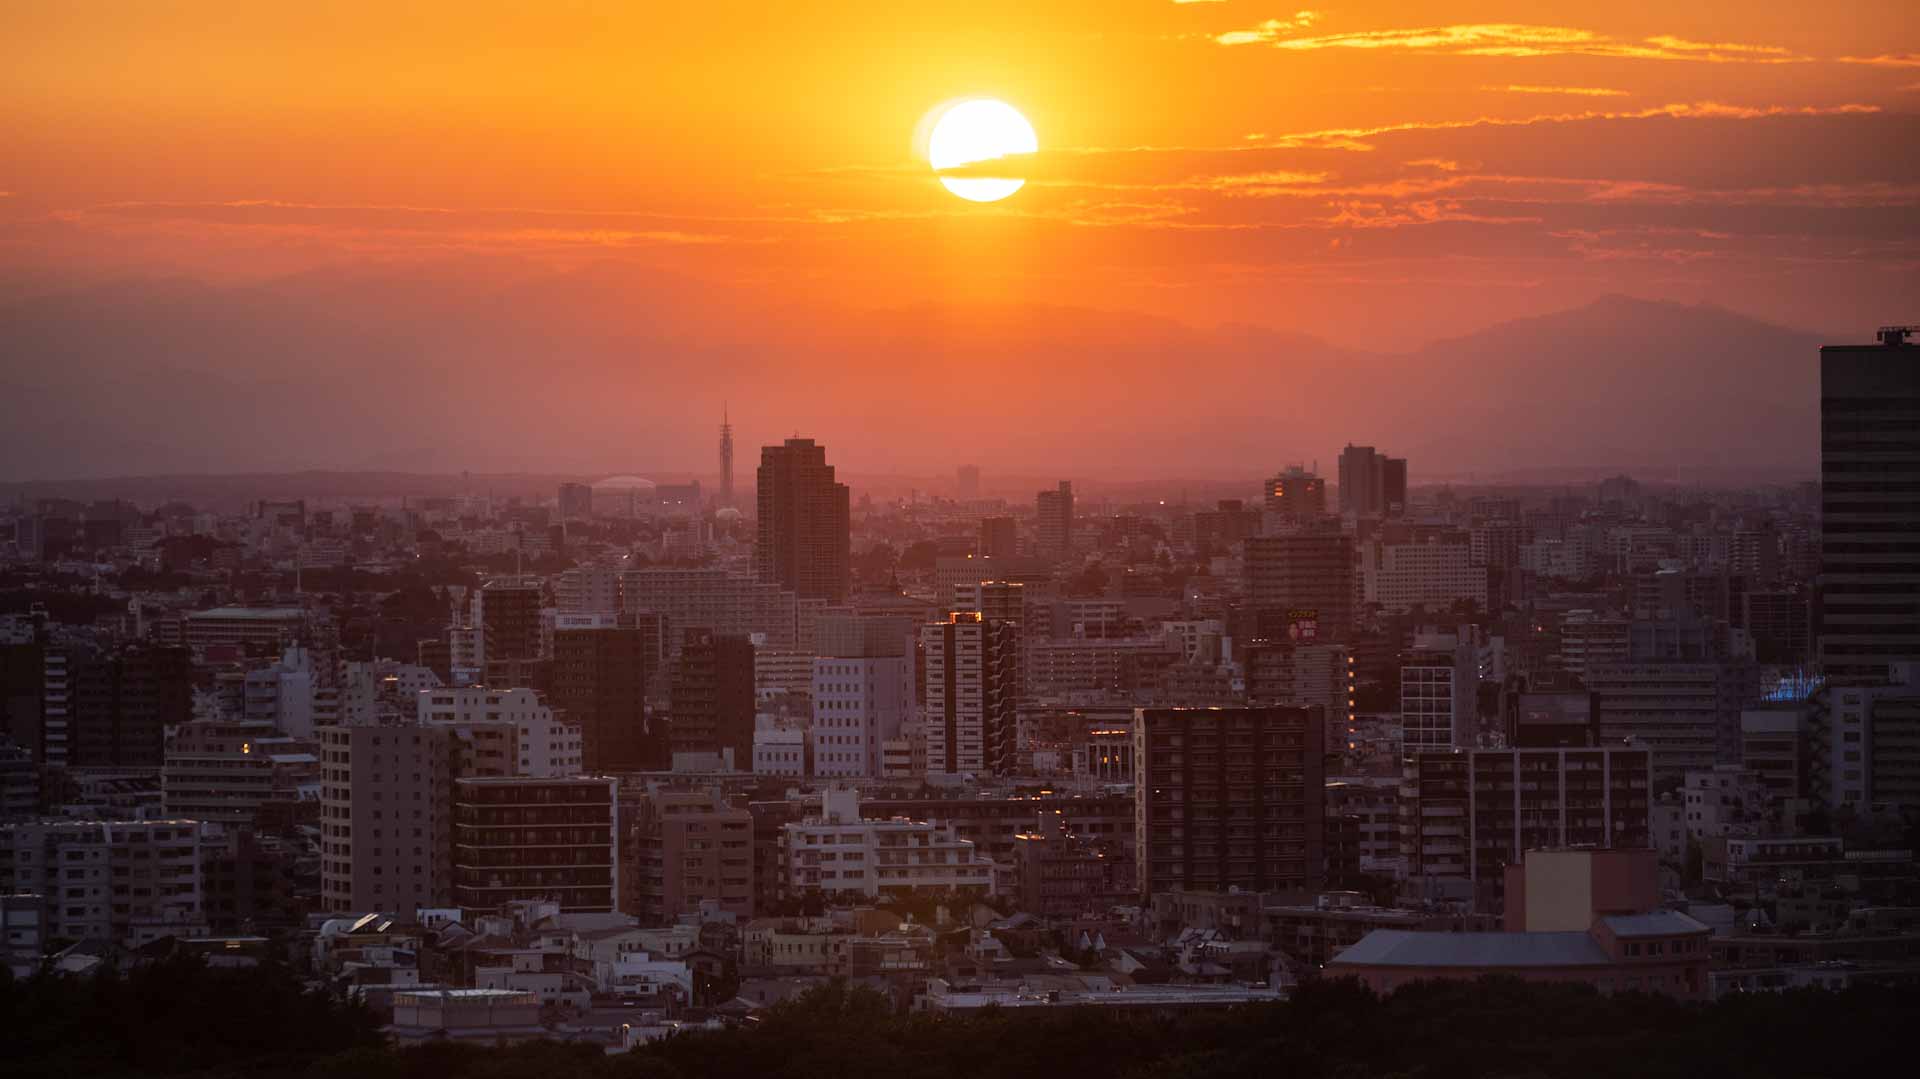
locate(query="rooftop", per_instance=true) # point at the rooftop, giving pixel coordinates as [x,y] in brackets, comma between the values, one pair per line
[1661,923]
[1402,948]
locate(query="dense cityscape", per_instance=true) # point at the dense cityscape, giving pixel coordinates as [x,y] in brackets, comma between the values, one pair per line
[631,759]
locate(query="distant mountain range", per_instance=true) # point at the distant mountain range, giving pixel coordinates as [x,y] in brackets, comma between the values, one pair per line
[440,369]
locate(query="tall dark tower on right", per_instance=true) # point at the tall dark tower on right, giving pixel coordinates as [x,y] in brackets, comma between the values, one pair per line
[803,540]
[726,459]
[1870,507]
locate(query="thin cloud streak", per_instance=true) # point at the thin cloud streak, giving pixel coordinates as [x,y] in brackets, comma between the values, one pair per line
[1353,138]
[1512,39]
[1575,91]
[1911,59]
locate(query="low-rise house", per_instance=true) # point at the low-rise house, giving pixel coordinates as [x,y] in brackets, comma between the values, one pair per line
[1623,942]
[481,1016]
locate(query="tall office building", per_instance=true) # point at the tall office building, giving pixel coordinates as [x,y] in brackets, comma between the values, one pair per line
[1228,797]
[713,697]
[576,501]
[1371,483]
[972,684]
[804,519]
[1306,574]
[600,675]
[967,481]
[998,539]
[726,459]
[1393,486]
[1054,528]
[1296,493]
[1870,507]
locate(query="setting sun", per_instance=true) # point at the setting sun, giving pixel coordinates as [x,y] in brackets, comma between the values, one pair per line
[980,130]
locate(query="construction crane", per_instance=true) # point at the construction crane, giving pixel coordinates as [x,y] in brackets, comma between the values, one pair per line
[1897,335]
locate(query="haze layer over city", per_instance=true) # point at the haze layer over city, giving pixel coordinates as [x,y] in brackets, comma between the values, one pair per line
[1128,539]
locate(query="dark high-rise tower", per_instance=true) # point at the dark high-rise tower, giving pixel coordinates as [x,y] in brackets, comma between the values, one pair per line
[1371,483]
[713,702]
[1054,527]
[1297,493]
[1870,506]
[600,676]
[1303,577]
[1228,797]
[804,518]
[726,459]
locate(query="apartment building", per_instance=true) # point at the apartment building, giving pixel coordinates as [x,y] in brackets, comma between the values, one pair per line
[123,882]
[1471,814]
[837,852]
[545,746]
[516,838]
[384,817]
[1228,797]
[690,848]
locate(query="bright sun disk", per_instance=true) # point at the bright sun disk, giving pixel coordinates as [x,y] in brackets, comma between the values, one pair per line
[977,130]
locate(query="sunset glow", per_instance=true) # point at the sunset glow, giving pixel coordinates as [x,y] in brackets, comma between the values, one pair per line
[680,189]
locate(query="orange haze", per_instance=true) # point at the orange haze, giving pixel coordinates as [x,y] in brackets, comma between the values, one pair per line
[1377,175]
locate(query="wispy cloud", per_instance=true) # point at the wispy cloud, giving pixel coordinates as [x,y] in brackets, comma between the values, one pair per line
[1270,29]
[1355,138]
[1572,91]
[1911,59]
[1511,39]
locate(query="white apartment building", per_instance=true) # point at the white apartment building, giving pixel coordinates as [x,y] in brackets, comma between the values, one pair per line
[125,882]
[780,751]
[588,590]
[1436,574]
[857,705]
[548,748]
[837,852]
[282,693]
[1192,634]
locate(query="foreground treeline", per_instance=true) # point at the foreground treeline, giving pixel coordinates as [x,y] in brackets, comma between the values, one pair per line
[178,1018]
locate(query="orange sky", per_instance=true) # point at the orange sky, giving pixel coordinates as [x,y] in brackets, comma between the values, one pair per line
[1354,171]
